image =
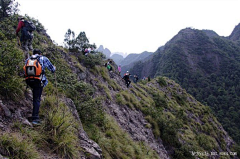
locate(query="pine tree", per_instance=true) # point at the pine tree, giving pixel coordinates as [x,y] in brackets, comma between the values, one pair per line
[8,7]
[80,43]
[69,40]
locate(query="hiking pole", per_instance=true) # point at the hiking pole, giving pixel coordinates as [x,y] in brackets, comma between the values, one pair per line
[56,87]
[19,42]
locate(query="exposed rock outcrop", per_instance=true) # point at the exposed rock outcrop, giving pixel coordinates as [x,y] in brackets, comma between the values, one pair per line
[10,112]
[134,123]
[87,144]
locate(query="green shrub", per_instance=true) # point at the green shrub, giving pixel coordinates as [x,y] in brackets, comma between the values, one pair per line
[180,98]
[82,90]
[160,100]
[77,64]
[154,125]
[130,99]
[91,59]
[236,148]
[161,81]
[143,82]
[116,143]
[15,146]
[34,135]
[184,152]
[105,74]
[65,78]
[119,99]
[207,142]
[11,63]
[106,90]
[60,128]
[91,112]
[140,90]
[50,89]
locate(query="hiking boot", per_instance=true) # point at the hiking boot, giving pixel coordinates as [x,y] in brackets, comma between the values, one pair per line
[25,46]
[30,47]
[26,54]
[36,122]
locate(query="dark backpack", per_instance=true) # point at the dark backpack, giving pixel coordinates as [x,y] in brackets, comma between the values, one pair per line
[29,26]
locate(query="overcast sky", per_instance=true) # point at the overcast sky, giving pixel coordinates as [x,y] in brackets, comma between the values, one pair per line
[132,26]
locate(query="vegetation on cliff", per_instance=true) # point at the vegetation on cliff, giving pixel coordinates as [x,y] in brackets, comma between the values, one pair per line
[208,67]
[183,124]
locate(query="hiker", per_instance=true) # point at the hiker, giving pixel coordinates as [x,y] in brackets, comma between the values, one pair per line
[108,65]
[27,29]
[86,51]
[136,78]
[36,79]
[89,50]
[92,50]
[126,77]
[149,79]
[119,69]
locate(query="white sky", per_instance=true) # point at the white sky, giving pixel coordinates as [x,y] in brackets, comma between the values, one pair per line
[131,26]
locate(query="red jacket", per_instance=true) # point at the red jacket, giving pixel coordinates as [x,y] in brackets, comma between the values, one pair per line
[20,25]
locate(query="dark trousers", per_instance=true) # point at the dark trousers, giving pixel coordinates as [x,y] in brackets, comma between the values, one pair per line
[127,82]
[37,92]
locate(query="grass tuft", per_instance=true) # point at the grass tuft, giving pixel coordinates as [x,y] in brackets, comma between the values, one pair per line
[60,128]
[15,146]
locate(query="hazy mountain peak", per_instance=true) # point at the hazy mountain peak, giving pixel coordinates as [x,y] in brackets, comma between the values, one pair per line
[120,53]
[235,35]
[105,51]
[210,33]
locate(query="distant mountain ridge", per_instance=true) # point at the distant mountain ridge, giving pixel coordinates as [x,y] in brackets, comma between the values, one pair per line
[120,53]
[105,51]
[131,59]
[206,65]
[119,59]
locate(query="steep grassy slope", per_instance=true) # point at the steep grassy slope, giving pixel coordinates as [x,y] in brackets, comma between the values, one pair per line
[61,134]
[155,119]
[207,66]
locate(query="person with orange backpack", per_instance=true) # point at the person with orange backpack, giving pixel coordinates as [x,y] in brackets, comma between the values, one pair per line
[34,72]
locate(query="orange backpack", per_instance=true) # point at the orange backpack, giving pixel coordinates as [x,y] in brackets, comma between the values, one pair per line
[33,71]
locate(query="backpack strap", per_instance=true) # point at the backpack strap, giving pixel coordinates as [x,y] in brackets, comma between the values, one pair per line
[40,56]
